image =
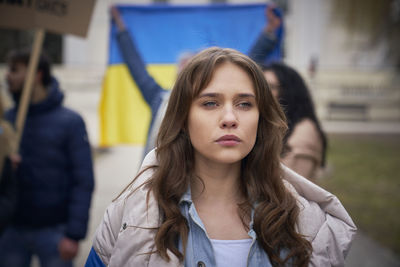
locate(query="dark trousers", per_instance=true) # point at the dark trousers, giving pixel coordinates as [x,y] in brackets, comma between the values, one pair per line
[18,245]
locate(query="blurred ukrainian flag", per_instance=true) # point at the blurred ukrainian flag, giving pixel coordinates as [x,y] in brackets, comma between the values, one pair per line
[162,33]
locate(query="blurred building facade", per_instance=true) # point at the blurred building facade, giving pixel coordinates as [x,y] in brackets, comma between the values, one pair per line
[348,50]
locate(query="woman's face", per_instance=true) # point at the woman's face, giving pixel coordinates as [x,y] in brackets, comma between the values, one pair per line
[223,118]
[273,82]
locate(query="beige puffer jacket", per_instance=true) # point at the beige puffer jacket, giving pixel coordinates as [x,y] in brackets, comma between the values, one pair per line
[305,150]
[126,234]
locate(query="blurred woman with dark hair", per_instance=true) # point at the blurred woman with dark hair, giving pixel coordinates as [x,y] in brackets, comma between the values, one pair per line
[213,192]
[305,143]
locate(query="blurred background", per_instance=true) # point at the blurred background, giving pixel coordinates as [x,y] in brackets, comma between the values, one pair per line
[349,53]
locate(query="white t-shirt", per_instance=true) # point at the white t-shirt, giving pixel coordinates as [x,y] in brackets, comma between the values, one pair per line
[232,253]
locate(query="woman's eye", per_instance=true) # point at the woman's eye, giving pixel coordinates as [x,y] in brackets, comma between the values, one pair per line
[210,104]
[245,105]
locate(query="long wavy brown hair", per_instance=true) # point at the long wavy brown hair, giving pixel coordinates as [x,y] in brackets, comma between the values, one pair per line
[275,209]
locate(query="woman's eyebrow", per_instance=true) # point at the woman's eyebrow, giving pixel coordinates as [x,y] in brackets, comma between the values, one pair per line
[209,95]
[218,95]
[246,95]
[243,95]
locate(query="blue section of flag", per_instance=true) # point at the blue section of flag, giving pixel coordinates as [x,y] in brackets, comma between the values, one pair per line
[162,32]
[93,260]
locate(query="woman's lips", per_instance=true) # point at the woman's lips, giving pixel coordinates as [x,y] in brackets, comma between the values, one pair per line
[228,140]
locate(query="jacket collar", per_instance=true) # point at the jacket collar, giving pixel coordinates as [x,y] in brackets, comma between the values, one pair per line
[186,197]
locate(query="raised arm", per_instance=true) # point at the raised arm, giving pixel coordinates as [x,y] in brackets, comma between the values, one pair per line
[150,90]
[267,40]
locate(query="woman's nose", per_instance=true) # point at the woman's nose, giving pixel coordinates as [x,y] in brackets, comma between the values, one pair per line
[229,119]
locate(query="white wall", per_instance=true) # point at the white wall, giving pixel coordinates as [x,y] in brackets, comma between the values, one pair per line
[306,23]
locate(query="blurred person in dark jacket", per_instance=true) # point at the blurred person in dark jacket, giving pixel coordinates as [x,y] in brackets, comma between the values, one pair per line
[55,175]
[8,183]
[8,193]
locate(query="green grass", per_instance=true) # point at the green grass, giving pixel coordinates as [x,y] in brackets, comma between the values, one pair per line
[365,175]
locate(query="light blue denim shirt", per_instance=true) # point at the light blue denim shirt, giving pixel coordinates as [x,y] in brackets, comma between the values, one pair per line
[199,250]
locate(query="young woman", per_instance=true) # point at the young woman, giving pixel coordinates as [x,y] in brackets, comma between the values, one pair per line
[305,143]
[214,193]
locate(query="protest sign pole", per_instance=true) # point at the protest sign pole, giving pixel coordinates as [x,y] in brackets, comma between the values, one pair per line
[28,84]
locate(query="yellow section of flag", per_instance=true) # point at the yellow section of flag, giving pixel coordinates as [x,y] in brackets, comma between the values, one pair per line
[124,115]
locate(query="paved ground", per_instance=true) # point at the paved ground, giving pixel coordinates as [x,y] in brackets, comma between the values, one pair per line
[114,170]
[366,252]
